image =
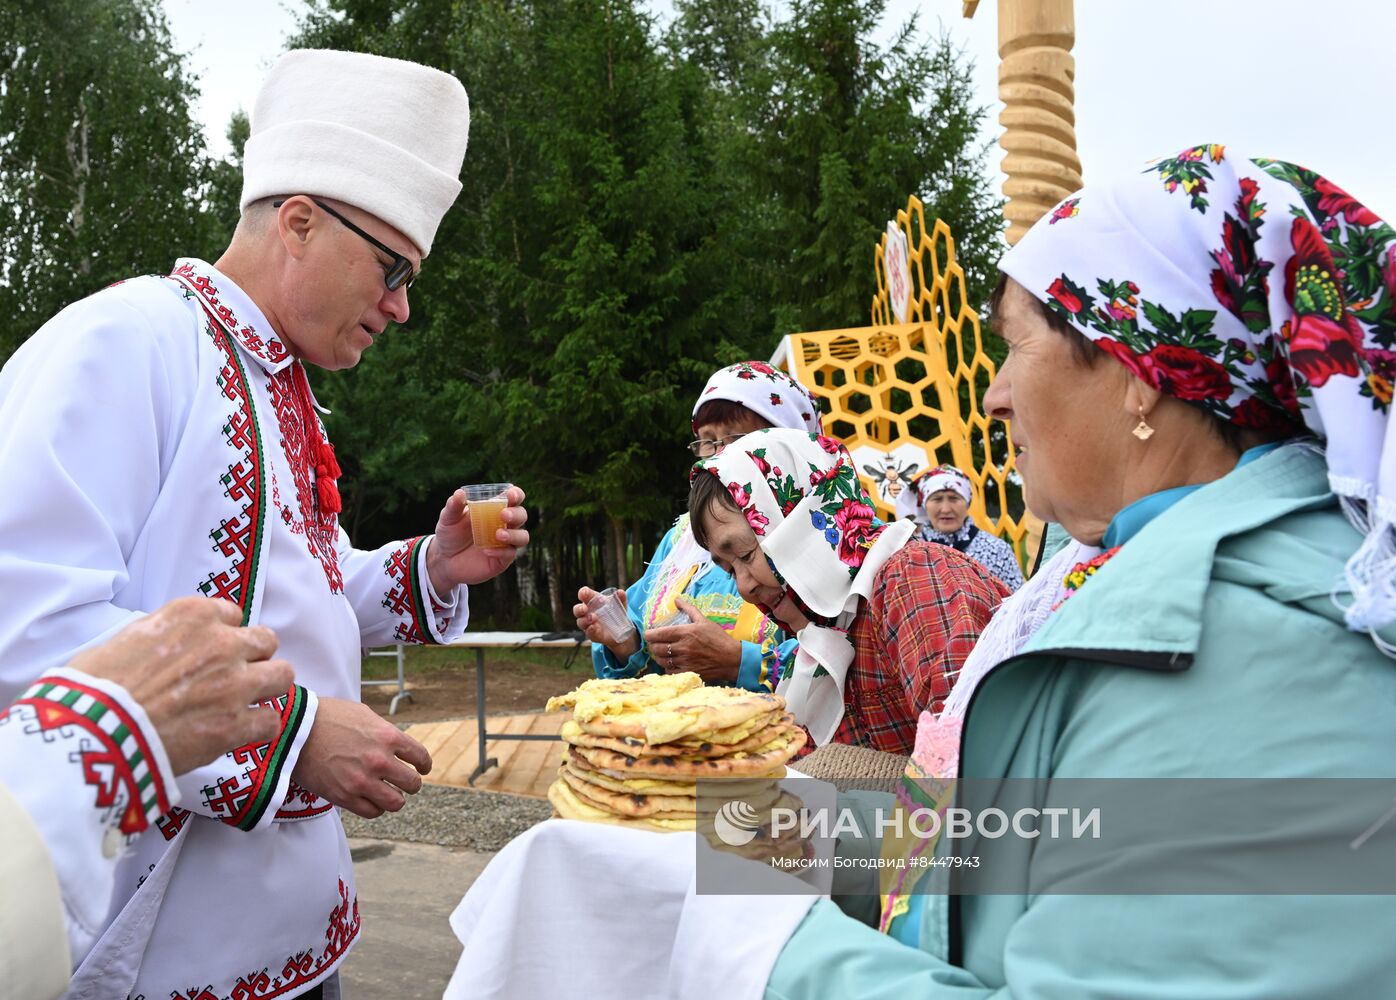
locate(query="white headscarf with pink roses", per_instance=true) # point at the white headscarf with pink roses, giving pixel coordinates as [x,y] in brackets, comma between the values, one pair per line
[1259,291]
[818,529]
[768,392]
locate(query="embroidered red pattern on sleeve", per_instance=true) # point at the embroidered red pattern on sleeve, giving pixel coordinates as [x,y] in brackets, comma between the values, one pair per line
[301,803]
[242,800]
[408,597]
[119,766]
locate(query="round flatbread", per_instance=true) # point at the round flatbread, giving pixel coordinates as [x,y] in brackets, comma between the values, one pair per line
[687,818]
[630,727]
[647,811]
[601,727]
[622,783]
[731,742]
[675,806]
[614,696]
[618,782]
[695,712]
[651,810]
[764,736]
[569,806]
[764,762]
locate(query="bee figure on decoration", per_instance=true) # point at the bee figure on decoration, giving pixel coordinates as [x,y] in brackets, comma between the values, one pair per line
[892,477]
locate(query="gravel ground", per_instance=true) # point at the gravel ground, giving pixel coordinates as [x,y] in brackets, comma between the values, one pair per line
[454,817]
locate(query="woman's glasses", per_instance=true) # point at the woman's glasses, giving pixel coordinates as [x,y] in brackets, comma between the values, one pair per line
[707,448]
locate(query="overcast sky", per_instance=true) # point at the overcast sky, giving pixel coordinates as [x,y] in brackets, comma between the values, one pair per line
[1285,78]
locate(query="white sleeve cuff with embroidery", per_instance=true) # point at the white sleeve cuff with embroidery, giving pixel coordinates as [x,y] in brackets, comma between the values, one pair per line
[444,612]
[81,756]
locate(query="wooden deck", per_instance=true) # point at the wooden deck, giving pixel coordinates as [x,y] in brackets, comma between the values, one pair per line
[526,767]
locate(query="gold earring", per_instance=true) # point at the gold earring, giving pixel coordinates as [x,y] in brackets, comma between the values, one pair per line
[1143,432]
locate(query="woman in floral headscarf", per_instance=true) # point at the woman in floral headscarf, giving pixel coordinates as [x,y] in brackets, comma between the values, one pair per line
[884,621]
[727,640]
[938,500]
[1199,378]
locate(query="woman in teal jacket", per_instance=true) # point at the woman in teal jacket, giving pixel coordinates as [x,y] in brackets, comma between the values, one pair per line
[1198,387]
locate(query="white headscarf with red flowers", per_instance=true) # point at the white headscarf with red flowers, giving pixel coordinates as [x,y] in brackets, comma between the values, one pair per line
[818,529]
[1257,290]
[766,391]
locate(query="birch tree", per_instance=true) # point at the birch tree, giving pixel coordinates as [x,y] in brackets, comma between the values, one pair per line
[101,163]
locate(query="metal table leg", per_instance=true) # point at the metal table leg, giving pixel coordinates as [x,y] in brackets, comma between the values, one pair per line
[402,691]
[485,764]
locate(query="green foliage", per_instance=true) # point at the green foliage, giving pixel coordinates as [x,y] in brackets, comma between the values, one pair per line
[225,183]
[639,206]
[825,137]
[101,165]
[636,211]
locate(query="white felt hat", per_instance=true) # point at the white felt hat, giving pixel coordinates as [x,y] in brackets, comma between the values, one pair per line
[383,135]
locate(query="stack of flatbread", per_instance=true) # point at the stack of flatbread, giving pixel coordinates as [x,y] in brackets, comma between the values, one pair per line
[666,753]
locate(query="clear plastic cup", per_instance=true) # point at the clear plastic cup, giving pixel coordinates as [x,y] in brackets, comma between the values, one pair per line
[677,618]
[610,614]
[487,502]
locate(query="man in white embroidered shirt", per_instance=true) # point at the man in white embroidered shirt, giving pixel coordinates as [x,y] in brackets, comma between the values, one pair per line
[160,439]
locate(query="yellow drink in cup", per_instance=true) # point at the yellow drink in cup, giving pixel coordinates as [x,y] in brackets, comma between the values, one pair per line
[486,503]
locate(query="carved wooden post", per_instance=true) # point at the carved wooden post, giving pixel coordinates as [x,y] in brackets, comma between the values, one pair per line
[1036,85]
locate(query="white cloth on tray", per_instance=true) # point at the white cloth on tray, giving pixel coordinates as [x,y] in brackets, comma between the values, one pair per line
[584,909]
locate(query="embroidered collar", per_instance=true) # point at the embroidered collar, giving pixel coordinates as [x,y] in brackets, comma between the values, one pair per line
[235,310]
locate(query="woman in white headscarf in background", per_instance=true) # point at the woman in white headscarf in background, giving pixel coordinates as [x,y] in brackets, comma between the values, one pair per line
[939,501]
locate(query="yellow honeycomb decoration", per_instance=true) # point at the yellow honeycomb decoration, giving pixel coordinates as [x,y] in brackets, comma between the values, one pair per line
[907,397]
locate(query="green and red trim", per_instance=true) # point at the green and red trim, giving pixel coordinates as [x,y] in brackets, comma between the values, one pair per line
[421,602]
[239,584]
[258,514]
[408,596]
[292,715]
[61,701]
[244,804]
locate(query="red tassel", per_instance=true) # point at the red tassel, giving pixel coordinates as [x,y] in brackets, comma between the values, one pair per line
[326,472]
[325,459]
[320,452]
[328,491]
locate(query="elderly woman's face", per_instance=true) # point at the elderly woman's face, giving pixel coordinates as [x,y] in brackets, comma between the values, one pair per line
[1070,420]
[946,510]
[736,551]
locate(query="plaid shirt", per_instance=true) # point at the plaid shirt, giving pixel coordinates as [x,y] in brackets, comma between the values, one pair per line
[928,605]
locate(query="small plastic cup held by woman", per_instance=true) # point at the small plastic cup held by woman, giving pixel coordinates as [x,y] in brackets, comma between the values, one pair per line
[486,506]
[677,618]
[610,614]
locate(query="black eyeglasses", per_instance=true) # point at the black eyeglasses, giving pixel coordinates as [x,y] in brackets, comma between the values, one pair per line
[398,274]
